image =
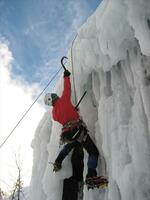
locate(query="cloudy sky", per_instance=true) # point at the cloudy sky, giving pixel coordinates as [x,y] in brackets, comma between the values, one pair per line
[34,35]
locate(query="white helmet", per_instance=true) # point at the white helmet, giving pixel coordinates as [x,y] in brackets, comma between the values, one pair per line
[49,98]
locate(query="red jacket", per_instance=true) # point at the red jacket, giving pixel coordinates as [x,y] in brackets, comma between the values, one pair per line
[63,109]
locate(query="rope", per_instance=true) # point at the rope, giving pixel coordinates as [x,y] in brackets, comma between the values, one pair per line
[30,108]
[72,64]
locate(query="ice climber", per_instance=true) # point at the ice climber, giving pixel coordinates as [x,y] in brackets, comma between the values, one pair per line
[74,131]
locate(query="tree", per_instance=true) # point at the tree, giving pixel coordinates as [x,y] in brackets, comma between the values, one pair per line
[18,184]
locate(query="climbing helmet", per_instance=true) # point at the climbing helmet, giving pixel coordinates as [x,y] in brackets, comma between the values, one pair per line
[50,98]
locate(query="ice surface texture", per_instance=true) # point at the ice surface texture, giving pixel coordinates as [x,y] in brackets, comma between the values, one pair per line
[111,57]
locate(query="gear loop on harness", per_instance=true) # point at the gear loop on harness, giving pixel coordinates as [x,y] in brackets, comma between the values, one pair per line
[73,130]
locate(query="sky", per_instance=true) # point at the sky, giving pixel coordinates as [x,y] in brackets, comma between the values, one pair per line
[40,32]
[34,35]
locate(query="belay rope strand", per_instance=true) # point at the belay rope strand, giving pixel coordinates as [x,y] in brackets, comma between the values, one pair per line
[72,64]
[30,108]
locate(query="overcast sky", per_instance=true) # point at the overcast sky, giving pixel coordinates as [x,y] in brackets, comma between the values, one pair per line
[34,35]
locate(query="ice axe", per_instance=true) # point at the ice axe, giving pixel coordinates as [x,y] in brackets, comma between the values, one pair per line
[80,100]
[64,57]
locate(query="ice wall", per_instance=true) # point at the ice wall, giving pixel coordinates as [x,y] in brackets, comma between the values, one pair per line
[40,157]
[111,60]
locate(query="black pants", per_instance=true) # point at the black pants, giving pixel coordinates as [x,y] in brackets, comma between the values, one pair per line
[77,160]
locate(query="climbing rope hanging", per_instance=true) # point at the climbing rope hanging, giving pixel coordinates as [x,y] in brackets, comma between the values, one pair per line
[72,65]
[29,108]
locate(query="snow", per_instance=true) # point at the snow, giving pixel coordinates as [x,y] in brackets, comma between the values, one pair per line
[111,60]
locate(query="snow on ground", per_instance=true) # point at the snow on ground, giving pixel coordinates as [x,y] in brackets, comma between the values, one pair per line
[111,60]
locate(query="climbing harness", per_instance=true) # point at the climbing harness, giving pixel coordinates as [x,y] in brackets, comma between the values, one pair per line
[73,130]
[71,125]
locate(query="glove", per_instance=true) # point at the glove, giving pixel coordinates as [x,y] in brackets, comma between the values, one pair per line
[66,73]
[56,167]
